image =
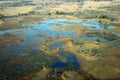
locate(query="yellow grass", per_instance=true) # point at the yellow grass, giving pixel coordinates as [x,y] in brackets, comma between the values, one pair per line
[15,10]
[70,7]
[69,17]
[91,5]
[1,22]
[41,74]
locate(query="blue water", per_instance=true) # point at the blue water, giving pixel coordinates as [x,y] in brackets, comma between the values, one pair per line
[46,29]
[71,61]
[58,44]
[31,32]
[5,31]
[116,34]
[95,25]
[95,38]
[32,40]
[47,25]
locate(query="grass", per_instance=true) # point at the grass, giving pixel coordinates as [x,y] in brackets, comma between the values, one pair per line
[11,11]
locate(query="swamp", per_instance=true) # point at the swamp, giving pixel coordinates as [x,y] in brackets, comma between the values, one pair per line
[59,40]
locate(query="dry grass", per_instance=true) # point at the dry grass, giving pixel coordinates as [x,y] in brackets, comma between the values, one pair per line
[41,74]
[15,10]
[73,7]
[1,21]
[91,5]
[66,7]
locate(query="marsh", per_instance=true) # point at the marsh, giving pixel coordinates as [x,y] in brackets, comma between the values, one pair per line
[52,40]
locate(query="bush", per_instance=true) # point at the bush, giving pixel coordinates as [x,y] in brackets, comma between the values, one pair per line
[49,14]
[98,40]
[2,16]
[104,17]
[22,14]
[59,12]
[32,12]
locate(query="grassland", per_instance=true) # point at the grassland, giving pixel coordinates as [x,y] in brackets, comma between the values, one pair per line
[11,11]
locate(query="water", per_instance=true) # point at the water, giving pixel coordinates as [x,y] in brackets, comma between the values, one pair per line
[58,44]
[31,38]
[29,48]
[116,34]
[45,28]
[96,25]
[71,61]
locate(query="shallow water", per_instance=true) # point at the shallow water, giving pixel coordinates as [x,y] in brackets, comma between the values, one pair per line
[45,28]
[71,61]
[96,25]
[58,44]
[32,40]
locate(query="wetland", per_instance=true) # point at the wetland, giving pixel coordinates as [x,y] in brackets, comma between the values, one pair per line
[44,45]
